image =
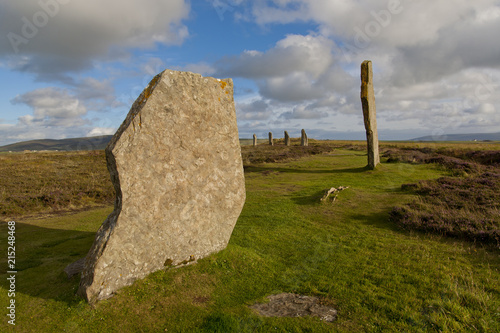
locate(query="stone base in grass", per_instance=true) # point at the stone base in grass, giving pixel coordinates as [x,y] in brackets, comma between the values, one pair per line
[293,305]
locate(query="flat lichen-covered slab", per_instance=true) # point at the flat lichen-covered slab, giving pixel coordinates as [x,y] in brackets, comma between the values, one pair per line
[176,166]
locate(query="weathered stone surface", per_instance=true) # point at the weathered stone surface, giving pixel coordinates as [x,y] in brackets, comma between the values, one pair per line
[369,113]
[176,166]
[303,139]
[255,140]
[75,268]
[287,139]
[293,305]
[271,141]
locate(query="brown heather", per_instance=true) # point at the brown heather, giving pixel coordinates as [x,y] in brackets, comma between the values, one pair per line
[464,206]
[44,182]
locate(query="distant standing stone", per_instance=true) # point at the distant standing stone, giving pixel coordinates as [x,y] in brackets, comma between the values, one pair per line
[271,142]
[369,113]
[176,166]
[303,139]
[287,139]
[255,140]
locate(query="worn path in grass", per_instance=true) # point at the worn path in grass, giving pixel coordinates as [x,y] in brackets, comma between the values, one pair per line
[379,278]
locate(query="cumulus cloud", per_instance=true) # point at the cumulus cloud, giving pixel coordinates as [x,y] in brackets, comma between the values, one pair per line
[297,68]
[97,95]
[52,107]
[57,36]
[435,63]
[303,112]
[90,88]
[254,110]
[98,131]
[202,68]
[300,75]
[424,39]
[61,113]
[294,53]
[466,44]
[389,22]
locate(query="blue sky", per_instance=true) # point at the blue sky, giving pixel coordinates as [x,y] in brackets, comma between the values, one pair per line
[72,68]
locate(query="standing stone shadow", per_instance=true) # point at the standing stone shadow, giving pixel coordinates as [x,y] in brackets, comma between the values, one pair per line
[42,254]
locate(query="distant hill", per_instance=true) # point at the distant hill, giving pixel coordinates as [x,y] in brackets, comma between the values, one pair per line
[461,137]
[100,142]
[90,143]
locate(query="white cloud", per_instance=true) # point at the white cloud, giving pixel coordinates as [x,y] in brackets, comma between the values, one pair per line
[302,112]
[435,64]
[97,131]
[280,11]
[300,76]
[294,53]
[400,22]
[297,86]
[52,107]
[59,113]
[425,39]
[298,68]
[254,110]
[58,36]
[202,68]
[28,131]
[90,88]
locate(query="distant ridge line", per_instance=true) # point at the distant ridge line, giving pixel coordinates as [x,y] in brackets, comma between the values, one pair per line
[461,137]
[87,143]
[100,142]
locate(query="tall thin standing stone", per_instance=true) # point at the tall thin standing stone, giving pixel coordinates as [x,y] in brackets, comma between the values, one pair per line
[369,113]
[303,139]
[287,139]
[255,140]
[271,142]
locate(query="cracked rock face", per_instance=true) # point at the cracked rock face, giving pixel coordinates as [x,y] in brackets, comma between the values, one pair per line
[176,166]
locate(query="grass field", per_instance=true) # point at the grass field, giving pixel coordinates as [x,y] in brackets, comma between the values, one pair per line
[380,277]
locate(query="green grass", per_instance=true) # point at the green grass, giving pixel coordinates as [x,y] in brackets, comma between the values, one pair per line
[380,278]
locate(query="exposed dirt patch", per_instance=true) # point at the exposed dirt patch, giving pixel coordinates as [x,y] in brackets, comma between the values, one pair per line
[201,300]
[270,172]
[293,305]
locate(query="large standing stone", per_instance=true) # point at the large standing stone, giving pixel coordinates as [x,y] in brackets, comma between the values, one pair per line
[287,139]
[369,113]
[271,141]
[175,163]
[303,139]
[255,140]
